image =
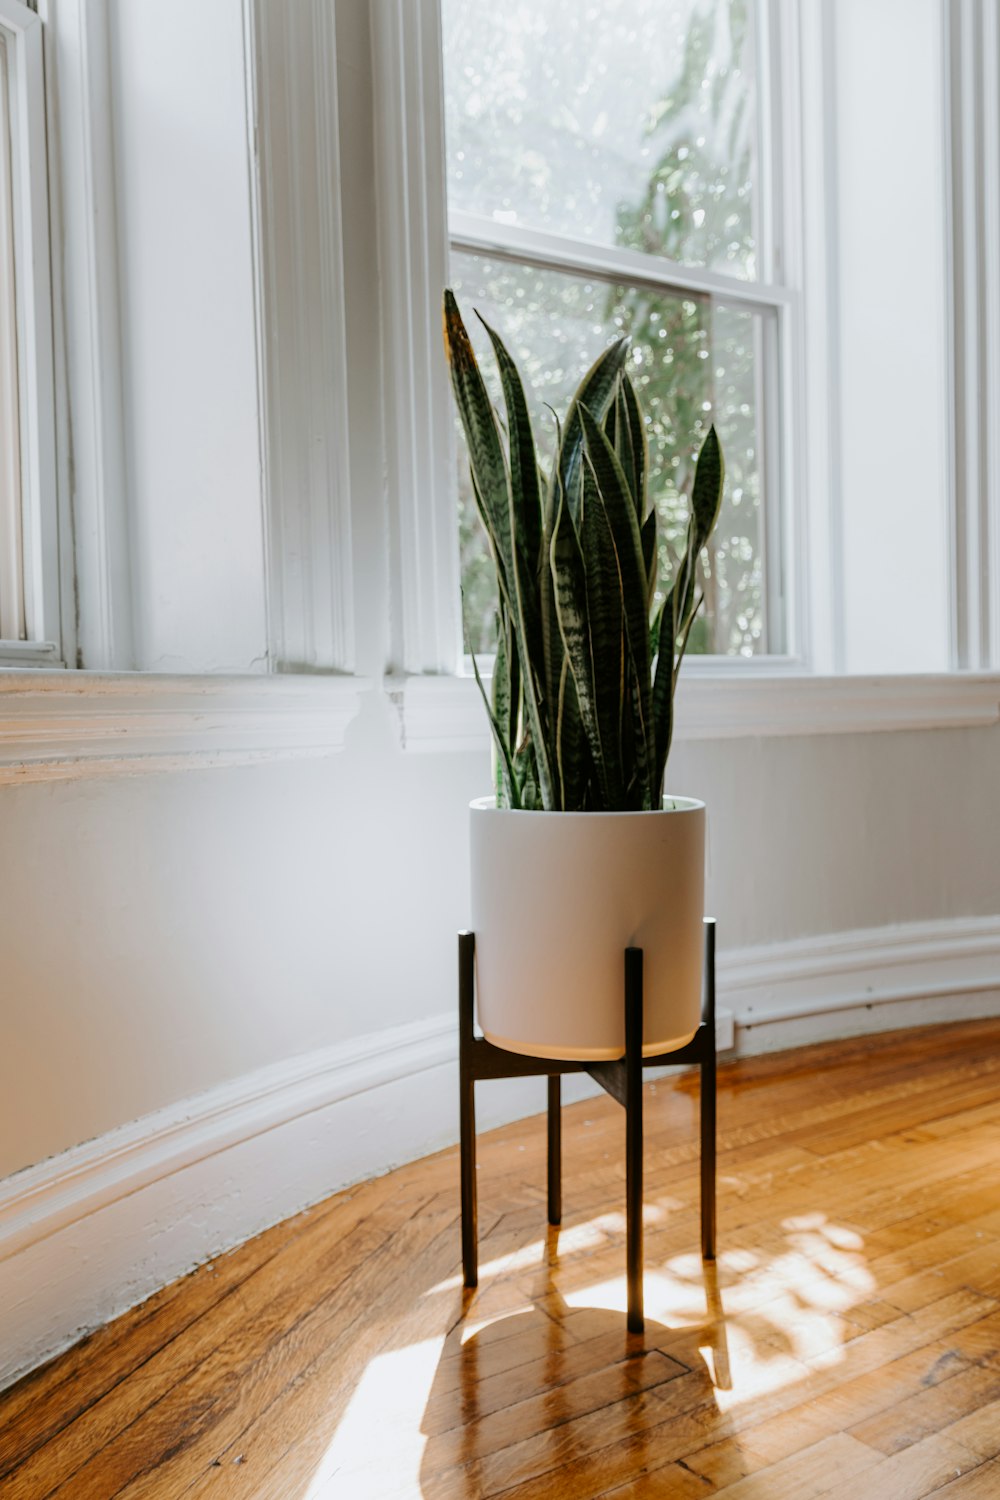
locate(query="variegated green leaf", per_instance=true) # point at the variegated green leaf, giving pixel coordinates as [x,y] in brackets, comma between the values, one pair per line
[640,448]
[650,561]
[606,627]
[486,455]
[616,502]
[570,594]
[524,482]
[663,691]
[706,492]
[595,391]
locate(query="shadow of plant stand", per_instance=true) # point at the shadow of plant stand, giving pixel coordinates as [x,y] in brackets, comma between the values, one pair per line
[621,1078]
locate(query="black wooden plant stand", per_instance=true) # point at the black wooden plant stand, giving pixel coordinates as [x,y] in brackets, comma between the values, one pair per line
[621,1078]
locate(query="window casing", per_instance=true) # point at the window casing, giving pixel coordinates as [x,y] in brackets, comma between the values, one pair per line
[31,614]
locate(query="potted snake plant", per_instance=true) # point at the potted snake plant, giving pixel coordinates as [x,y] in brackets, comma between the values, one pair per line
[579,853]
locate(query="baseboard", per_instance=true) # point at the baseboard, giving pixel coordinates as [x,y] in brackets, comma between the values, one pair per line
[849,983]
[90,1233]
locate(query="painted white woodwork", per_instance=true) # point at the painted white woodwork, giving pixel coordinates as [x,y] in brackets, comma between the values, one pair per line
[31,606]
[973,46]
[58,726]
[90,1232]
[90,416]
[416,401]
[436,714]
[182,192]
[302,334]
[891,248]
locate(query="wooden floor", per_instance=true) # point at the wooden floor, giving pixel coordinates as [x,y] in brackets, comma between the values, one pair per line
[847,1344]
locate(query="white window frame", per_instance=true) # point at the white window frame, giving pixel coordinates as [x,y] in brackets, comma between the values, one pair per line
[413,215]
[778,237]
[47,617]
[437,704]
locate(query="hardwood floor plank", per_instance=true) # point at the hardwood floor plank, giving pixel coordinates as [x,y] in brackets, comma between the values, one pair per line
[846,1344]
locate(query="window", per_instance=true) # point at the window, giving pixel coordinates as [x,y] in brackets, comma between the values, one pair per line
[30,630]
[616,177]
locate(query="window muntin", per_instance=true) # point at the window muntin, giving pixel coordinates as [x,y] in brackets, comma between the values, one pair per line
[581,237]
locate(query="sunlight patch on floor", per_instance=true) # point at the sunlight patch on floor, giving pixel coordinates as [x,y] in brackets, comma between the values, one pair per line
[379,1433]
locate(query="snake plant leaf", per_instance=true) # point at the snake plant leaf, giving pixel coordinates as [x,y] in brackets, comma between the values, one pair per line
[479,422]
[650,560]
[529,562]
[496,493]
[595,391]
[606,624]
[572,755]
[524,481]
[570,594]
[506,681]
[616,501]
[616,504]
[706,492]
[640,447]
[663,690]
[619,435]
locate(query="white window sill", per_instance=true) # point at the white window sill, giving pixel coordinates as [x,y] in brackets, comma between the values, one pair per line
[59,725]
[446,713]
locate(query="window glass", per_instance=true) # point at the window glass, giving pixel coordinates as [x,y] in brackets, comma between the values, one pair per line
[628,122]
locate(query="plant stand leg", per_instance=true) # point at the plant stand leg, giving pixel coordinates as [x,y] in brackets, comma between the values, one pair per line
[708,1104]
[633,1137]
[467,1108]
[555,1149]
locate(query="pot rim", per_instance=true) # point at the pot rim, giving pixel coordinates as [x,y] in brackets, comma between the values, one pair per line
[678,805]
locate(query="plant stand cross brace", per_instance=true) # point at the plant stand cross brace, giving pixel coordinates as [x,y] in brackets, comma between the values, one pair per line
[620,1077]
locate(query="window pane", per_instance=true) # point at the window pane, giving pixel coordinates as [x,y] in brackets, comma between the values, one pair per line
[629,122]
[693,361]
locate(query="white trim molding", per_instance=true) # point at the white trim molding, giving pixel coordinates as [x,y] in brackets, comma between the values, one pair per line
[446,713]
[413,270]
[91,1232]
[972,44]
[44,606]
[94,516]
[851,983]
[302,339]
[57,726]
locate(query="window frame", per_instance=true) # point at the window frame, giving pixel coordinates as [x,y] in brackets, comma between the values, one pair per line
[411,190]
[778,237]
[44,573]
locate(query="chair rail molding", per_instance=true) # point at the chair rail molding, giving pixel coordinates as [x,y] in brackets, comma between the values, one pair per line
[59,726]
[301,331]
[446,713]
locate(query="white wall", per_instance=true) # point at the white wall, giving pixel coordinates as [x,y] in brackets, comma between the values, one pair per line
[163,933]
[889,117]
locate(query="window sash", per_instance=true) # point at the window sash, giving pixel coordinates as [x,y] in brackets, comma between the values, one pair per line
[776,338]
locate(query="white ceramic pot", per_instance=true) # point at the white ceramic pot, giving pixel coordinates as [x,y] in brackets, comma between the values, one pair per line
[556,900]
